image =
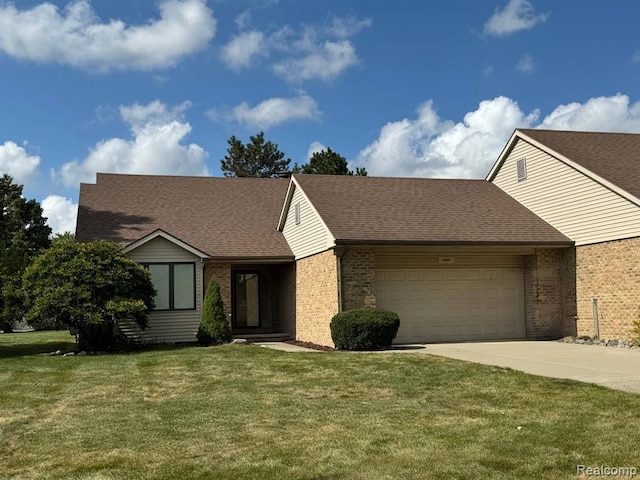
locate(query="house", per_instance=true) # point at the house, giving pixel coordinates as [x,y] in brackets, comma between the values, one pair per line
[587,186]
[457,259]
[545,246]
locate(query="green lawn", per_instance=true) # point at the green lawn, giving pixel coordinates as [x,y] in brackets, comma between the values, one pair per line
[245,412]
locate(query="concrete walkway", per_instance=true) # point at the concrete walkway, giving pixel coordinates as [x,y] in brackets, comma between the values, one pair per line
[615,368]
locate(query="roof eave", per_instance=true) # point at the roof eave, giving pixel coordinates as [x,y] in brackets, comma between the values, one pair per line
[252,259]
[167,236]
[287,203]
[537,244]
[503,155]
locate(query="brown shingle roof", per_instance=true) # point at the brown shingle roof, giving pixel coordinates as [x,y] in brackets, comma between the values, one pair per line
[223,217]
[612,156]
[420,210]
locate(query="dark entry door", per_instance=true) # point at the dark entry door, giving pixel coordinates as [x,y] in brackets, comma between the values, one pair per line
[246,300]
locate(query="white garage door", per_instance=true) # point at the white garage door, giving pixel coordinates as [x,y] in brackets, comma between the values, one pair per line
[451,304]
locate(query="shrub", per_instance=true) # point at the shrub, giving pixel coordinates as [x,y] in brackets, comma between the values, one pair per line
[214,327]
[88,287]
[364,329]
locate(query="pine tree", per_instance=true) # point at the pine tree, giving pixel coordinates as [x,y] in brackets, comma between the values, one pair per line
[255,159]
[214,326]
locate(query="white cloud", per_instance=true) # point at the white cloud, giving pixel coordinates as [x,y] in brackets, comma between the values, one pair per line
[155,147]
[242,49]
[243,20]
[61,213]
[431,147]
[517,15]
[603,114]
[315,147]
[526,64]
[271,112]
[319,51]
[345,27]
[15,161]
[75,35]
[325,62]
[428,146]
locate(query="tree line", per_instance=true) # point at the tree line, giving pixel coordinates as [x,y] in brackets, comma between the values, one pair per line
[263,158]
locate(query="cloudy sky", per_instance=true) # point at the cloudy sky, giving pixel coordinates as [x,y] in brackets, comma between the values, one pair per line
[404,88]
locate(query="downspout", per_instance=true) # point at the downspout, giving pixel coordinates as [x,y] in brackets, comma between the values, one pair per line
[596,325]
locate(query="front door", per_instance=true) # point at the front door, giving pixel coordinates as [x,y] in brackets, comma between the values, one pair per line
[246,300]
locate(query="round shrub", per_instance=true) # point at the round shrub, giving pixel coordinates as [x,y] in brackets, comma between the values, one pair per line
[364,329]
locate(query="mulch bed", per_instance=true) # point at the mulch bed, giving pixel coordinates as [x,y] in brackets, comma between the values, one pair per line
[312,346]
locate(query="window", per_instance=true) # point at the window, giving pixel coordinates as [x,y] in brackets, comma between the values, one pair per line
[522,169]
[297,212]
[175,284]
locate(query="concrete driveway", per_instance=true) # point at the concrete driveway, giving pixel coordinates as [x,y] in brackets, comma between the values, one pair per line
[610,367]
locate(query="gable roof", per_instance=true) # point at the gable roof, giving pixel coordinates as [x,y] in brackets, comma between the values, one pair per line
[220,217]
[613,157]
[421,211]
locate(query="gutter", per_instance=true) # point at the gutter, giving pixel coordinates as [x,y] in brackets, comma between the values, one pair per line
[560,243]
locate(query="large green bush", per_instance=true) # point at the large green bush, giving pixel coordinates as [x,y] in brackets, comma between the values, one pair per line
[214,326]
[87,287]
[364,329]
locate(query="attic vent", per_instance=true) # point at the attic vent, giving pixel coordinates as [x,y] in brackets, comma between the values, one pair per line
[522,169]
[297,213]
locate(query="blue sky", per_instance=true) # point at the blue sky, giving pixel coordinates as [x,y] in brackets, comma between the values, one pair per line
[404,88]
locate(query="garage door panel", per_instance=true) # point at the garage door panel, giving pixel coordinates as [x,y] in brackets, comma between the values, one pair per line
[449,305]
[397,275]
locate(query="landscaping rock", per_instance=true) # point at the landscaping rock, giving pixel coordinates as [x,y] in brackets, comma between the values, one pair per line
[81,354]
[614,343]
[239,341]
[69,354]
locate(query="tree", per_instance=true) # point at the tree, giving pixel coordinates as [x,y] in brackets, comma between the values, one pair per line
[214,326]
[328,162]
[88,287]
[23,234]
[255,159]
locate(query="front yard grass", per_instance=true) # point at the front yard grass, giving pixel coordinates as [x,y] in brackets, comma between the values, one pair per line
[245,412]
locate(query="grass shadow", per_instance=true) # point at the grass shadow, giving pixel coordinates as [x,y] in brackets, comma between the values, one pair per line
[21,350]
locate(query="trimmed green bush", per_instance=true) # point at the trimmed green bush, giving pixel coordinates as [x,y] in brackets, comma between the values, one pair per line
[364,329]
[214,327]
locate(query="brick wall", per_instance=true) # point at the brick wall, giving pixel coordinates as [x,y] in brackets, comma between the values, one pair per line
[221,273]
[317,297]
[549,291]
[358,279]
[284,287]
[610,272]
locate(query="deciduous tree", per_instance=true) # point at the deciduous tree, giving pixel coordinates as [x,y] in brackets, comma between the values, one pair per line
[23,234]
[87,286]
[328,162]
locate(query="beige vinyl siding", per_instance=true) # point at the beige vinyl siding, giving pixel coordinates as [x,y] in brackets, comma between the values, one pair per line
[436,260]
[311,235]
[169,326]
[579,207]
